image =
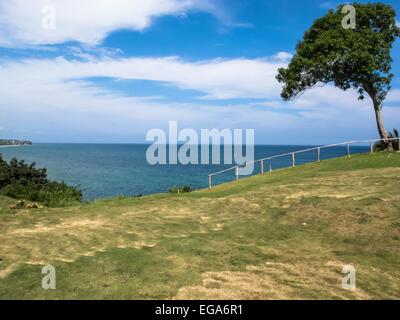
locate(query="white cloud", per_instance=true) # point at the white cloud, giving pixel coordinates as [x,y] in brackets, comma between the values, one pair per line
[86,21]
[393,96]
[283,56]
[48,100]
[218,79]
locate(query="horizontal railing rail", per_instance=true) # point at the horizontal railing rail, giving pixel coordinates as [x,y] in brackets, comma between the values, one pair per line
[293,154]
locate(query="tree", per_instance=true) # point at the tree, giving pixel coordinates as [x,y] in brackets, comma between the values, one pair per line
[356,58]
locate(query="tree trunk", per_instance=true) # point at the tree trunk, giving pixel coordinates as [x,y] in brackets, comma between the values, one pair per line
[381,128]
[379,122]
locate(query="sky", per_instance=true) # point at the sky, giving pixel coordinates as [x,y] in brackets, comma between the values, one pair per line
[102,71]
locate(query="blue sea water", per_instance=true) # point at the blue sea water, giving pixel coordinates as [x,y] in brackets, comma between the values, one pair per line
[109,170]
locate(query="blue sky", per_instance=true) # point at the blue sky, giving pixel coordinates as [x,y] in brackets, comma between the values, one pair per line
[109,71]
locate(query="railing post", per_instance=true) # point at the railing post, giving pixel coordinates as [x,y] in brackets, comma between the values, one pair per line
[348,149]
[319,154]
[209,182]
[293,161]
[262,166]
[270,168]
[372,146]
[399,144]
[237,173]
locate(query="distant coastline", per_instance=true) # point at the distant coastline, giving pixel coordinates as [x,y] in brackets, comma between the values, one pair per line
[10,143]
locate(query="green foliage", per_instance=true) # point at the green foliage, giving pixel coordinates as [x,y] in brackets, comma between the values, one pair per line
[123,197]
[21,173]
[23,181]
[184,189]
[358,58]
[381,145]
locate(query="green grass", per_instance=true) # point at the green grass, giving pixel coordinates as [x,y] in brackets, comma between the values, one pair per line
[241,240]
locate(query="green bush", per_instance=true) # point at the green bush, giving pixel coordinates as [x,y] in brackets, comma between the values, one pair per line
[381,145]
[183,189]
[22,181]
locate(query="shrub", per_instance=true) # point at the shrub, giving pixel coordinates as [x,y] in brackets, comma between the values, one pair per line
[183,189]
[381,145]
[19,171]
[22,181]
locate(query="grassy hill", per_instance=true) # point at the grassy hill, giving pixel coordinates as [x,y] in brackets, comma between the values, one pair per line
[242,240]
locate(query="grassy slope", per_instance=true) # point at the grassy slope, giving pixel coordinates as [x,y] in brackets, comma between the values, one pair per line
[242,240]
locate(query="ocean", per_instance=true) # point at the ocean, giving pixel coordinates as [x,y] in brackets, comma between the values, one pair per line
[110,170]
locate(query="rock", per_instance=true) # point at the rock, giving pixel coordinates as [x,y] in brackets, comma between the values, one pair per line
[18,205]
[33,205]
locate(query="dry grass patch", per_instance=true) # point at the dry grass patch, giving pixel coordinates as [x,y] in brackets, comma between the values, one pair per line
[273,281]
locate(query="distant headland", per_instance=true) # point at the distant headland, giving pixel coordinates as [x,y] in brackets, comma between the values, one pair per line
[5,142]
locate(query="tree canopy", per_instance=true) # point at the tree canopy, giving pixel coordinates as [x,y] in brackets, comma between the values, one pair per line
[349,58]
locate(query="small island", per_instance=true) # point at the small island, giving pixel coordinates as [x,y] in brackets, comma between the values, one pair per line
[5,142]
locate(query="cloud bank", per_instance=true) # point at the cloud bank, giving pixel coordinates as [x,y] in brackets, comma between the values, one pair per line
[57,100]
[86,21]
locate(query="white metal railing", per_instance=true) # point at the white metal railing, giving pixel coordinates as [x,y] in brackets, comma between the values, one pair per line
[348,143]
